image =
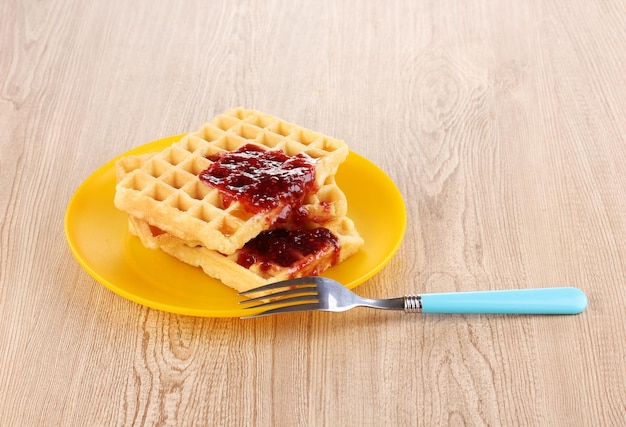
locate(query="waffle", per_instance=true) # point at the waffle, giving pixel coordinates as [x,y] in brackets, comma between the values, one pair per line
[165,191]
[326,204]
[226,267]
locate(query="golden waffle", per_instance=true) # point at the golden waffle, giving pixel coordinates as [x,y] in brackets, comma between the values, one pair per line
[165,191]
[328,203]
[226,268]
[326,208]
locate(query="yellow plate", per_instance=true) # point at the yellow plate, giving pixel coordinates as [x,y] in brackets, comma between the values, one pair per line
[98,237]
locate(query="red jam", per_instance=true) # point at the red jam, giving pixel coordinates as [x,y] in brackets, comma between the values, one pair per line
[156,231]
[286,248]
[261,180]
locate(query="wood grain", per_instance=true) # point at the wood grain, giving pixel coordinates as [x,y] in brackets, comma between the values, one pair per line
[501,123]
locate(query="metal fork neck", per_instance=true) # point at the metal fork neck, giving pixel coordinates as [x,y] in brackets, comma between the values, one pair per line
[382,303]
[408,303]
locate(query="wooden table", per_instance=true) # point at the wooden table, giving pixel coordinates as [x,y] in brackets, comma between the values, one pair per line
[502,124]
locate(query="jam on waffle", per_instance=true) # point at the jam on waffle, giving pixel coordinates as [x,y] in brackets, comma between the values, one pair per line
[249,198]
[167,191]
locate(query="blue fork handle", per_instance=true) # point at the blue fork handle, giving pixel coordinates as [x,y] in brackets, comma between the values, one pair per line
[520,301]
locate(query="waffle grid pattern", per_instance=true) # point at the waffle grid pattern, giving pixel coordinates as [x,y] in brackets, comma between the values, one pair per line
[165,190]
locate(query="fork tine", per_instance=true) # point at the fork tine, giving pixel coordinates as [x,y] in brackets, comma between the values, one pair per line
[282,284]
[298,290]
[300,295]
[287,309]
[312,298]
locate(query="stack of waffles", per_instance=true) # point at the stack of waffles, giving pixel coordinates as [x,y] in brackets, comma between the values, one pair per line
[194,201]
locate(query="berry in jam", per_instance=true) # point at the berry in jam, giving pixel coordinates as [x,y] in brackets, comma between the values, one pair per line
[287,248]
[261,180]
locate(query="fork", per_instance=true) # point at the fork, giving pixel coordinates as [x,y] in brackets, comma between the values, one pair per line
[323,294]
